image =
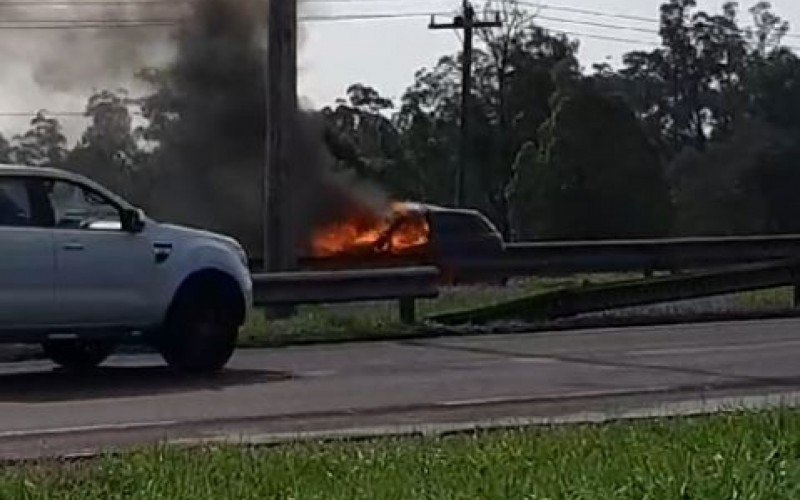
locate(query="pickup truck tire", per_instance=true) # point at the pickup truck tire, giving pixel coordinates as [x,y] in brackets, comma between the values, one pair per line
[201,330]
[78,355]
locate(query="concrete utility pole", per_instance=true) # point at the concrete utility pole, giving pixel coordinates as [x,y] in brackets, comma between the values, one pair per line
[281,88]
[467,22]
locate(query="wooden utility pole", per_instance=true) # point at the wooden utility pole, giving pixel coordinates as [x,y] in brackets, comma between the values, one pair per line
[281,88]
[466,22]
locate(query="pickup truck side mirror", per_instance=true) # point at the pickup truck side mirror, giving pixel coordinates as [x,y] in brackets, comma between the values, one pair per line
[132,220]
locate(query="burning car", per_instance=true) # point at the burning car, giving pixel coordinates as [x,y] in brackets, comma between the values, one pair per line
[454,240]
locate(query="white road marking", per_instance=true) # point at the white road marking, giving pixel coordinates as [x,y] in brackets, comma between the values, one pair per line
[556,396]
[318,373]
[712,349]
[534,361]
[87,428]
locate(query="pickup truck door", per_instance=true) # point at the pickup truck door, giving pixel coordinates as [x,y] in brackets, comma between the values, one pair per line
[104,275]
[27,260]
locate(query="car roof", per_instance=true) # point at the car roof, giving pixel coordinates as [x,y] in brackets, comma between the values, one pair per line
[7,170]
[438,209]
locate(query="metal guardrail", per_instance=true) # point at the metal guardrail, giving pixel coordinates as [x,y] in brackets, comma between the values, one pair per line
[570,302]
[548,258]
[403,284]
[599,256]
[726,265]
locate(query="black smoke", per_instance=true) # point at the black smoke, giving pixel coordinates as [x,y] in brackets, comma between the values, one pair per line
[208,120]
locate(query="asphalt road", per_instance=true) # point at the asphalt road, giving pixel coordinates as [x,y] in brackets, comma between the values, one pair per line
[368,388]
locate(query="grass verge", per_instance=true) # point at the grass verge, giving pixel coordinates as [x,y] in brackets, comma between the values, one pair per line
[753,456]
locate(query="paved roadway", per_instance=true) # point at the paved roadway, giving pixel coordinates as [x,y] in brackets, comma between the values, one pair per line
[367,387]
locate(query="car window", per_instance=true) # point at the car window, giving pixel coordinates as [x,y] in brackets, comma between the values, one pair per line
[460,224]
[447,224]
[76,207]
[15,204]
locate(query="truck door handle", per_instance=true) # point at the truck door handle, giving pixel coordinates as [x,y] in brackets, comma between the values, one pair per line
[162,251]
[73,247]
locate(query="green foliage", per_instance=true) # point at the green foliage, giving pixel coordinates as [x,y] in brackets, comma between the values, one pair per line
[359,134]
[596,176]
[515,74]
[108,150]
[714,191]
[43,145]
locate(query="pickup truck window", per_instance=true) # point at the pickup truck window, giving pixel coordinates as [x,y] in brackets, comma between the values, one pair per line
[75,207]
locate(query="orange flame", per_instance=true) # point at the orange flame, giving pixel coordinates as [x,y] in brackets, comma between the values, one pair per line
[399,232]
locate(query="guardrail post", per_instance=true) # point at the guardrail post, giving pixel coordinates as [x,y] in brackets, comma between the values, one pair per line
[408,311]
[797,296]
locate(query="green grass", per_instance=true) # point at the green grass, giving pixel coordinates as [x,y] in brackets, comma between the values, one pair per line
[776,298]
[746,456]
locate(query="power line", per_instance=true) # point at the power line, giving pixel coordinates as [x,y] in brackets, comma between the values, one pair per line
[574,10]
[67,22]
[345,17]
[613,15]
[87,25]
[93,3]
[77,24]
[71,24]
[633,41]
[542,6]
[393,2]
[368,17]
[598,25]
[58,114]
[31,114]
[589,12]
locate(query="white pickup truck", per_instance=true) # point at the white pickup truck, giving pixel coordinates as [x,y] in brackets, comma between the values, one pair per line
[82,270]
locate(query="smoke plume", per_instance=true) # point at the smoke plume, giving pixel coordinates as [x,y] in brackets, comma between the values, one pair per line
[99,45]
[207,118]
[211,166]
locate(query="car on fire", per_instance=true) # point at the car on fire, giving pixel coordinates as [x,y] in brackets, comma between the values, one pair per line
[457,241]
[84,270]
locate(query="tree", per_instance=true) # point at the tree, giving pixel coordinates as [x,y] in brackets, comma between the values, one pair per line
[428,121]
[688,91]
[595,175]
[110,130]
[5,150]
[769,29]
[43,145]
[360,134]
[514,79]
[714,190]
[526,64]
[108,150]
[774,89]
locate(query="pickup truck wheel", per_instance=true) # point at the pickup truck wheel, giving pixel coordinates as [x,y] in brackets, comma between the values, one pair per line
[200,334]
[78,355]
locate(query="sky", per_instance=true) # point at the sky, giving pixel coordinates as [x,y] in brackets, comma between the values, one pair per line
[383,53]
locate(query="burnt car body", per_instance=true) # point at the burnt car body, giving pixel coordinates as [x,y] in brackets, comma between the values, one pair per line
[460,242]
